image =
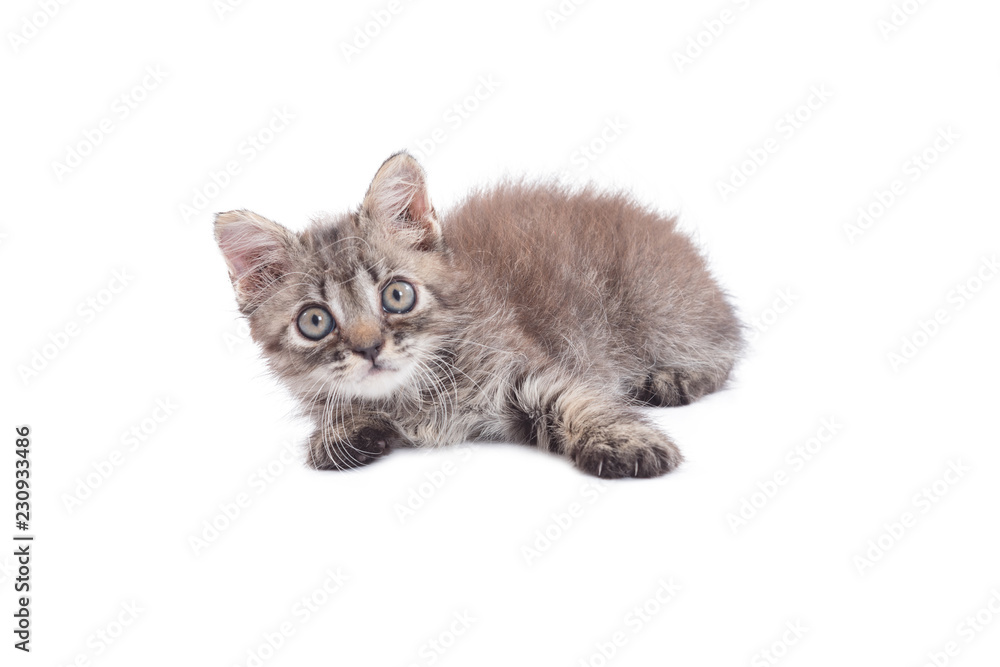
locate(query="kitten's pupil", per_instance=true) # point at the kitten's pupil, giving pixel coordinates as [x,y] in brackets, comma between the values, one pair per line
[397,295]
[316,319]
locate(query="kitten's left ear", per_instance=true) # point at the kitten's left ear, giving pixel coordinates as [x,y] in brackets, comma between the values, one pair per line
[397,203]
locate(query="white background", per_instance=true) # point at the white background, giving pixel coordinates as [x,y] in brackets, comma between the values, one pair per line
[675,131]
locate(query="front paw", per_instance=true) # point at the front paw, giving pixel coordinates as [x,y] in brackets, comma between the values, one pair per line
[626,450]
[330,451]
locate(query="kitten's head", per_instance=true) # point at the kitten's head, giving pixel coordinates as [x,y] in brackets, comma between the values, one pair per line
[357,305]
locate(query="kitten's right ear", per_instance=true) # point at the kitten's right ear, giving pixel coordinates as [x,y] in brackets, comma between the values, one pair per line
[397,203]
[257,251]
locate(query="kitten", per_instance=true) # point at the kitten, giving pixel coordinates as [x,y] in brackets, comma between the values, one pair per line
[531,313]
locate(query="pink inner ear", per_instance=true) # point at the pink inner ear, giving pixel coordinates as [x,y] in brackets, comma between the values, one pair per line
[420,206]
[254,249]
[243,246]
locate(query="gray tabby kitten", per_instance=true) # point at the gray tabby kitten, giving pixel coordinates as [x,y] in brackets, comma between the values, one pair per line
[530,313]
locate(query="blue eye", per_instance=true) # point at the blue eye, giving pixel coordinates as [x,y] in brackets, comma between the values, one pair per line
[315,322]
[398,297]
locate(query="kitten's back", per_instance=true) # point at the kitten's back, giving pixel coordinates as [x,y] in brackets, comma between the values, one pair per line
[589,270]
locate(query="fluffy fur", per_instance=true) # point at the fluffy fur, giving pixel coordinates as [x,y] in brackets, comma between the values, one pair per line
[543,315]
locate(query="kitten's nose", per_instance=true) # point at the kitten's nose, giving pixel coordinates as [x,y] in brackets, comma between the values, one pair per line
[370,352]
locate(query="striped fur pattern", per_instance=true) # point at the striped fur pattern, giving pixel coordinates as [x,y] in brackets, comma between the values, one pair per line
[544,315]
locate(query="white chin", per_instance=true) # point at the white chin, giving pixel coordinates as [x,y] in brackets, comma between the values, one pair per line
[379,383]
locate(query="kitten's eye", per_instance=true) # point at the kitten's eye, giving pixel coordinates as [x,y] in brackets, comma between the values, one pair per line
[398,297]
[315,322]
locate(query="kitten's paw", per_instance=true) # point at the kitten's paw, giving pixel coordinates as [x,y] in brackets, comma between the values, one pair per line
[668,387]
[628,450]
[327,452]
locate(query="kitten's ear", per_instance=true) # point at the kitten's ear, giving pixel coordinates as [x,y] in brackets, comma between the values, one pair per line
[257,251]
[397,202]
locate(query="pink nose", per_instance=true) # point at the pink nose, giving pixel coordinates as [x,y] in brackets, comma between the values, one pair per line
[370,352]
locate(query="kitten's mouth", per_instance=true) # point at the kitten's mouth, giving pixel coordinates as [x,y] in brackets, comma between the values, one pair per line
[381,364]
[377,369]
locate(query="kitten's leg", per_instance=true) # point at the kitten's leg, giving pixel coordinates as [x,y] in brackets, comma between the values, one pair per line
[350,440]
[666,386]
[600,434]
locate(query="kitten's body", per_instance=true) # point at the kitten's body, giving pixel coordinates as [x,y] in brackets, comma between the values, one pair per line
[543,315]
